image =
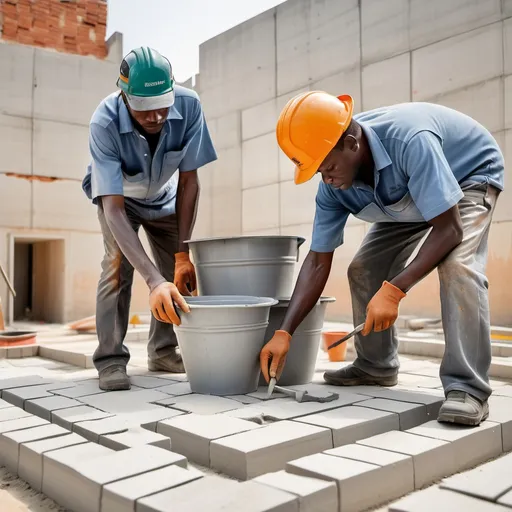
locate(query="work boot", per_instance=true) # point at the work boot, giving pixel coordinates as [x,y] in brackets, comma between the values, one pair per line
[172,363]
[462,408]
[352,376]
[114,378]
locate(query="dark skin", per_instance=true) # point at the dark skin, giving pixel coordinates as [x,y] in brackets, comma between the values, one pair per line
[351,159]
[162,293]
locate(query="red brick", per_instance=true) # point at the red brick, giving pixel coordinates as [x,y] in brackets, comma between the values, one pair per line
[25,22]
[10,10]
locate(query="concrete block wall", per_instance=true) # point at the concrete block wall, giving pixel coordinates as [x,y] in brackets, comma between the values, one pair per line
[456,53]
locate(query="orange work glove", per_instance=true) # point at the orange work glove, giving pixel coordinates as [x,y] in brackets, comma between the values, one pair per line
[382,310]
[161,302]
[184,274]
[274,352]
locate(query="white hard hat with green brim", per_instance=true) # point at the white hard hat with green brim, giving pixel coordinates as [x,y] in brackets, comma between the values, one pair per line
[147,80]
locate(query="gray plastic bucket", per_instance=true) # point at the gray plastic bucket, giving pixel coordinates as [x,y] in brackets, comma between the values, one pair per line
[220,341]
[261,266]
[301,359]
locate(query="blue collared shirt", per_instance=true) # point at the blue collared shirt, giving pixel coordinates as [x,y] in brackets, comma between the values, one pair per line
[423,155]
[121,158]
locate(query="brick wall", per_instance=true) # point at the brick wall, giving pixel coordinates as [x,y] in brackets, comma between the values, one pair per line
[71,26]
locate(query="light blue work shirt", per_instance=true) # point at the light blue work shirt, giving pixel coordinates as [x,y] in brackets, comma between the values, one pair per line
[121,158]
[423,155]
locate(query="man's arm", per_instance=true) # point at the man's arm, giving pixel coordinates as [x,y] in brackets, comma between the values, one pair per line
[186,206]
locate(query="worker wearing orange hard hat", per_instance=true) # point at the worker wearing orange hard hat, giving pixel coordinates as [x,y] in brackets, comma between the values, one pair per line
[411,170]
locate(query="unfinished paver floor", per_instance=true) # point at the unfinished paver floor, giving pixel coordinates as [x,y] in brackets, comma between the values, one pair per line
[159,443]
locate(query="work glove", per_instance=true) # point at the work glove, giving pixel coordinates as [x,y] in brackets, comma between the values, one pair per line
[274,353]
[184,273]
[382,310]
[161,302]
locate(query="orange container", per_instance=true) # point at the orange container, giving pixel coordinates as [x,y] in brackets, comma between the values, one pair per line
[338,353]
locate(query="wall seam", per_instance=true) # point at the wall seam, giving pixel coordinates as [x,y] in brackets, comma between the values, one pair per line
[32,127]
[360,7]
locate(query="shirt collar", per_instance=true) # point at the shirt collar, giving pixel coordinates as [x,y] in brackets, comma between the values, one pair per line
[380,155]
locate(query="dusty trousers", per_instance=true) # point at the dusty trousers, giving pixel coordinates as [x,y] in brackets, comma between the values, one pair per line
[115,286]
[384,253]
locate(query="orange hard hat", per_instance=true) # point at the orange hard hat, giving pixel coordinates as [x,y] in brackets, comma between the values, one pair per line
[309,127]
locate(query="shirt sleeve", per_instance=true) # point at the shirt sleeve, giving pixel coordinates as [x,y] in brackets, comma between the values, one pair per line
[106,172]
[200,150]
[330,219]
[431,182]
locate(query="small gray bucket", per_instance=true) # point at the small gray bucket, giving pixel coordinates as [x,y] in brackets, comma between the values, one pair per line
[305,344]
[220,341]
[261,266]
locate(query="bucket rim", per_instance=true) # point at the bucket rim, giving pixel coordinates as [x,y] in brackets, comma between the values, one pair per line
[285,301]
[299,239]
[262,301]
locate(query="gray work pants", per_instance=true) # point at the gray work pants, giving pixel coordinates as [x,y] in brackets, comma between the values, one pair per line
[464,294]
[115,287]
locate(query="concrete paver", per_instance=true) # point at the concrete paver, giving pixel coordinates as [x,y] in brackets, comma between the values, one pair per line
[432,458]
[267,449]
[145,381]
[314,495]
[432,398]
[471,445]
[12,413]
[17,396]
[122,496]
[43,407]
[349,424]
[124,401]
[21,423]
[30,465]
[4,404]
[506,499]
[200,404]
[191,434]
[410,414]
[86,388]
[500,411]
[18,382]
[176,389]
[135,436]
[10,442]
[68,417]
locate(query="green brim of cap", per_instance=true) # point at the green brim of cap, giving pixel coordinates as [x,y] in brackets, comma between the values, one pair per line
[144,103]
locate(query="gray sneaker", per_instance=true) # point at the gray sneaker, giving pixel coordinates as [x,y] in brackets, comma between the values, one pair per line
[114,378]
[172,363]
[462,408]
[352,376]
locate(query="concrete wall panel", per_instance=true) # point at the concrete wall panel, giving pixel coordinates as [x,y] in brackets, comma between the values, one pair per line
[387,82]
[259,120]
[260,161]
[346,82]
[297,202]
[450,64]
[60,149]
[15,202]
[503,210]
[507,46]
[227,130]
[506,8]
[438,19]
[262,232]
[303,230]
[227,171]
[203,225]
[508,101]
[15,144]
[385,29]
[16,84]
[260,208]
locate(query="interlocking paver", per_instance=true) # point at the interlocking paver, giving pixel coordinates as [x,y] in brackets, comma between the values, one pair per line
[431,399]
[176,389]
[410,414]
[12,413]
[68,417]
[500,411]
[21,423]
[432,458]
[349,424]
[314,495]
[506,499]
[501,391]
[245,399]
[43,407]
[262,394]
[267,449]
[471,445]
[247,496]
[89,387]
[144,381]
[122,496]
[191,434]
[30,466]
[18,382]
[17,396]
[4,404]
[200,404]
[135,436]
[488,481]
[76,484]
[442,500]
[125,401]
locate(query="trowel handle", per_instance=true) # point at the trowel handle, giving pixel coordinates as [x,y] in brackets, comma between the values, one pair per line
[288,392]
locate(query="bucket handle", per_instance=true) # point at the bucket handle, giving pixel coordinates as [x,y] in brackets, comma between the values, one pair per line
[300,241]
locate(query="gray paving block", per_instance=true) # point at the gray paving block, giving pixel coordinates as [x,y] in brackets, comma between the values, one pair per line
[200,404]
[43,407]
[262,394]
[500,411]
[135,436]
[18,382]
[488,481]
[314,495]
[125,401]
[442,500]
[121,496]
[176,389]
[245,399]
[349,424]
[12,413]
[501,391]
[30,465]
[431,399]
[17,396]
[10,442]
[506,499]
[191,434]
[227,496]
[267,449]
[410,414]
[21,423]
[68,417]
[472,446]
[76,483]
[144,381]
[432,458]
[89,387]
[4,404]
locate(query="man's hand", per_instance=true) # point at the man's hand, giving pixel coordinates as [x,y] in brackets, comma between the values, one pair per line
[382,310]
[184,274]
[274,352]
[161,302]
